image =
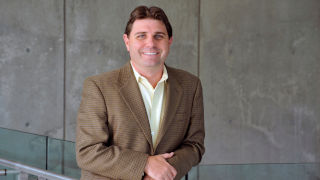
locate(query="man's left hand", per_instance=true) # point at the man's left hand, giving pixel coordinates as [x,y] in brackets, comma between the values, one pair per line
[147,177]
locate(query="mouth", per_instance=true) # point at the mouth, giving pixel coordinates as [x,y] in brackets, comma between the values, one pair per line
[150,53]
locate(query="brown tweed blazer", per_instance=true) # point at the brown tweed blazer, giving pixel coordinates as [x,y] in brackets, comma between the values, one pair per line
[113,131]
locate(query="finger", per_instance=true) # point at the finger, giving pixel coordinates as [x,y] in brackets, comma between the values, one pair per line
[169,169]
[167,155]
[147,178]
[170,176]
[173,171]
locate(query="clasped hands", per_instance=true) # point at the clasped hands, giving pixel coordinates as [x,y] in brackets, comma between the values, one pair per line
[157,168]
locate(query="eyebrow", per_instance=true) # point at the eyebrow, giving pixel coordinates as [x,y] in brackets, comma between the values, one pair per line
[161,33]
[146,33]
[140,33]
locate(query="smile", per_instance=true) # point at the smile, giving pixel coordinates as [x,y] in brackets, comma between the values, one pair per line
[150,53]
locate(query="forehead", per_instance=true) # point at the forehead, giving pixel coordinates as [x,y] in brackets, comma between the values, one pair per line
[148,25]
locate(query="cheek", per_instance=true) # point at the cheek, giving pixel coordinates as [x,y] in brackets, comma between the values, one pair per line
[136,47]
[165,49]
[134,50]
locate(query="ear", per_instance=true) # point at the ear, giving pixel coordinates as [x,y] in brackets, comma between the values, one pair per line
[170,41]
[126,41]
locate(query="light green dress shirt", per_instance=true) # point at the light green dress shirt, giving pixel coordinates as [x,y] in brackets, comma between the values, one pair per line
[153,99]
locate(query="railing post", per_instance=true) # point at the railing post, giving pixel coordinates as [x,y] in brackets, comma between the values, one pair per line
[3,172]
[23,176]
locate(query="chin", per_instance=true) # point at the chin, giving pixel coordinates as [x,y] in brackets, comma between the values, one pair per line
[155,64]
[152,62]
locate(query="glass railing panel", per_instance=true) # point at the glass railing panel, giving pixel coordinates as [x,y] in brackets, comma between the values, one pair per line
[308,171]
[59,157]
[29,149]
[8,176]
[193,173]
[62,158]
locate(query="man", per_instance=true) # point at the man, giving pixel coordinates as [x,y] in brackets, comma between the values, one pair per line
[144,120]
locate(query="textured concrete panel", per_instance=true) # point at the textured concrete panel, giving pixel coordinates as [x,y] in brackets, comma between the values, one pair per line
[95,45]
[259,64]
[260,172]
[31,55]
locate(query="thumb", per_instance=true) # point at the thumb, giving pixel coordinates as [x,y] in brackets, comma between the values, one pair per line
[167,155]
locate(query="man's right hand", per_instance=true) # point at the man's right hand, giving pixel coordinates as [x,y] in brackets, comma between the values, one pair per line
[158,168]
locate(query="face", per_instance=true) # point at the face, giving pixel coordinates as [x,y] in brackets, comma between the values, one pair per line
[148,43]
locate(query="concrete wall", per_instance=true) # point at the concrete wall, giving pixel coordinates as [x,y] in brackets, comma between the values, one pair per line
[259,62]
[260,66]
[31,66]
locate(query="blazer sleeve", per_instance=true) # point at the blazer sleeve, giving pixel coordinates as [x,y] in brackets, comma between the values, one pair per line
[190,152]
[92,152]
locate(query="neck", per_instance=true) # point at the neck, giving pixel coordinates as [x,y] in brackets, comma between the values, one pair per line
[153,74]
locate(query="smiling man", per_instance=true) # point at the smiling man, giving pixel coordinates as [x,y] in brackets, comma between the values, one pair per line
[144,120]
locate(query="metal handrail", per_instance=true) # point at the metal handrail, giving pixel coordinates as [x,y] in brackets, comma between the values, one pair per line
[4,172]
[32,170]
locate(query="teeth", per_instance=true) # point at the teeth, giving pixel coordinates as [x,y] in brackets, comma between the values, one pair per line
[150,53]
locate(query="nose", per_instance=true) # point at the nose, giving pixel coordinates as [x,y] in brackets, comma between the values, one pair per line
[150,42]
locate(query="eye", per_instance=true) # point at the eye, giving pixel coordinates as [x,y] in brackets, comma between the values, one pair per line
[158,36]
[140,36]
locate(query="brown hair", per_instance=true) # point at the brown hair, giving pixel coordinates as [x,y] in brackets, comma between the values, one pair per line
[143,12]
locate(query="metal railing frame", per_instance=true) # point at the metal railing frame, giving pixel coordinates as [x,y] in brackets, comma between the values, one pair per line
[25,170]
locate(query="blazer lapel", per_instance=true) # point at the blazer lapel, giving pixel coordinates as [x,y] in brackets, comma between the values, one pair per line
[173,97]
[131,95]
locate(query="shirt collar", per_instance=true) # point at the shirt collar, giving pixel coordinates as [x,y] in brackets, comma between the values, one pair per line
[139,77]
